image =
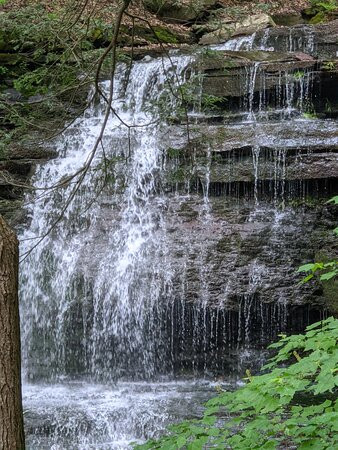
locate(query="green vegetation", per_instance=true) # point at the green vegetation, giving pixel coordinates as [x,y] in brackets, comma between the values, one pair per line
[299,75]
[41,57]
[329,65]
[328,5]
[165,36]
[321,11]
[48,51]
[326,271]
[174,153]
[309,115]
[50,60]
[294,403]
[175,100]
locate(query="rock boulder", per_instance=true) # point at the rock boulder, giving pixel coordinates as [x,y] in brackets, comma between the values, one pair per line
[226,30]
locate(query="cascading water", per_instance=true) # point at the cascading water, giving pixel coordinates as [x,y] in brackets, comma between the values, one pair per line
[237,44]
[95,294]
[303,43]
[252,78]
[297,39]
[121,297]
[111,287]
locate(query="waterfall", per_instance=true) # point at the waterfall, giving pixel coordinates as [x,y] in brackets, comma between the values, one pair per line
[301,43]
[170,268]
[297,39]
[237,44]
[105,268]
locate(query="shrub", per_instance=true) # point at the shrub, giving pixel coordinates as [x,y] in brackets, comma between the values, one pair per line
[294,403]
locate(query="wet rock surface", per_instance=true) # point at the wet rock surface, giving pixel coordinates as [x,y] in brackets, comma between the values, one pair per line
[180,11]
[233,74]
[246,250]
[292,135]
[319,40]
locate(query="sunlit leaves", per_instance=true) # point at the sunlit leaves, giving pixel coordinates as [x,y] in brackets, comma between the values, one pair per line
[334,200]
[326,271]
[279,409]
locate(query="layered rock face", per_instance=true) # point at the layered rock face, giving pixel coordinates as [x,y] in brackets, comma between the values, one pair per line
[263,161]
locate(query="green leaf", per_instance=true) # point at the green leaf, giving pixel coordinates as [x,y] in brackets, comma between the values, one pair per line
[315,325]
[209,420]
[333,200]
[306,267]
[269,445]
[181,441]
[211,410]
[213,431]
[328,275]
[308,278]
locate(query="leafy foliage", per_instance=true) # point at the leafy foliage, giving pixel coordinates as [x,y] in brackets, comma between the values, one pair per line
[326,271]
[293,404]
[50,51]
[43,54]
[326,6]
[299,75]
[334,200]
[321,10]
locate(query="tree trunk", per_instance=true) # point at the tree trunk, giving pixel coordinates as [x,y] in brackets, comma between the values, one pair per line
[11,417]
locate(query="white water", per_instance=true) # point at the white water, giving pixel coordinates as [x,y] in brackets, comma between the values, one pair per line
[237,44]
[124,265]
[81,416]
[299,40]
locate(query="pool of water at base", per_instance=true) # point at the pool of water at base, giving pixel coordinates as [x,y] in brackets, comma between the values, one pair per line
[81,416]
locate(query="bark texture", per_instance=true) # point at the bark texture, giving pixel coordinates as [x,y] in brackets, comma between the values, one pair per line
[11,418]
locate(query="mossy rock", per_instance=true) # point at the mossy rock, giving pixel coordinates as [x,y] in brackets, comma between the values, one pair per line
[165,35]
[225,30]
[174,153]
[159,34]
[318,18]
